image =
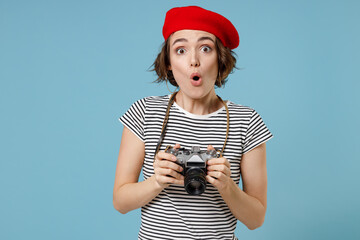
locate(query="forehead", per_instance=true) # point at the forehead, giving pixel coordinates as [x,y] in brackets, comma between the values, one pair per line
[191,35]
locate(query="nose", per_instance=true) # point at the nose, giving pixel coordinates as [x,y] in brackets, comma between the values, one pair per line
[194,62]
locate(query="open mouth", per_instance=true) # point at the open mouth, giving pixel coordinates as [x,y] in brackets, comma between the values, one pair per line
[196,79]
[195,76]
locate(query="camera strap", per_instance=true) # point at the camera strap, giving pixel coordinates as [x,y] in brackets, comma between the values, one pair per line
[171,102]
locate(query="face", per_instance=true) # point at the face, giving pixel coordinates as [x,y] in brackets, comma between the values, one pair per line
[193,61]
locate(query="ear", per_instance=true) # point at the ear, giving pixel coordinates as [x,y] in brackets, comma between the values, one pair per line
[169,68]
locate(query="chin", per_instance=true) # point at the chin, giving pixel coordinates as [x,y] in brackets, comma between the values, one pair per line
[197,93]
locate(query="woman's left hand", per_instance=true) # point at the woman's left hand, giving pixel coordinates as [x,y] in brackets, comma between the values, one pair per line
[218,172]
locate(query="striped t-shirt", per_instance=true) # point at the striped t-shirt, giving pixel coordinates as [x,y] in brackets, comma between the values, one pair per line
[174,214]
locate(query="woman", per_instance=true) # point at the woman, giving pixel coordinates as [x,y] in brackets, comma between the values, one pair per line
[196,57]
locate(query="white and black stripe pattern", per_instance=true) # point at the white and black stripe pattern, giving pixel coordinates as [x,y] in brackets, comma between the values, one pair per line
[174,214]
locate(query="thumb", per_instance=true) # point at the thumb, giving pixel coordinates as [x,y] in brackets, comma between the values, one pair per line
[210,147]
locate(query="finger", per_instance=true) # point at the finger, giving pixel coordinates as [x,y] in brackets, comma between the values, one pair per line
[165,156]
[179,182]
[165,180]
[210,147]
[220,168]
[177,145]
[217,175]
[169,172]
[212,181]
[168,164]
[220,183]
[175,181]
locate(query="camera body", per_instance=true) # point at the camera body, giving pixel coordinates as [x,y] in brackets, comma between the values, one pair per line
[194,164]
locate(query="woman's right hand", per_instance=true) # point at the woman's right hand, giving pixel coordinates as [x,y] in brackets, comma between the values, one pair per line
[166,170]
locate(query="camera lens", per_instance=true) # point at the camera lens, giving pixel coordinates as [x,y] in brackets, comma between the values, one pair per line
[195,182]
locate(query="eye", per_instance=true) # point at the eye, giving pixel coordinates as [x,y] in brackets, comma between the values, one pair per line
[180,51]
[206,49]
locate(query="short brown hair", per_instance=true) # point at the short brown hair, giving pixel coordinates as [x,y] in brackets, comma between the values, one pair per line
[226,64]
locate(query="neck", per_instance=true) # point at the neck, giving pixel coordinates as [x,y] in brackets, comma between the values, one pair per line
[199,106]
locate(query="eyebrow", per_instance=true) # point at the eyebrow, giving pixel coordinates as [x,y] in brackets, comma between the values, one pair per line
[199,40]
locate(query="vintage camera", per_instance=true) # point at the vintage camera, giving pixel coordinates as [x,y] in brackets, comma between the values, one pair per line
[194,164]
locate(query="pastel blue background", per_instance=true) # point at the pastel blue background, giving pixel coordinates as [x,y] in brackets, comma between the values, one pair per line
[69,69]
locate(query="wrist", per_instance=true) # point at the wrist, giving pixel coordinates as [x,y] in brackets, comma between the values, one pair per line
[228,189]
[157,186]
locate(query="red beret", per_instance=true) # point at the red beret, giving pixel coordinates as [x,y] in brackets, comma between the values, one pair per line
[197,18]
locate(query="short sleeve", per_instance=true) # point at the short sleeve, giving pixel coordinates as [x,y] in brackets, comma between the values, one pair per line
[256,133]
[133,118]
